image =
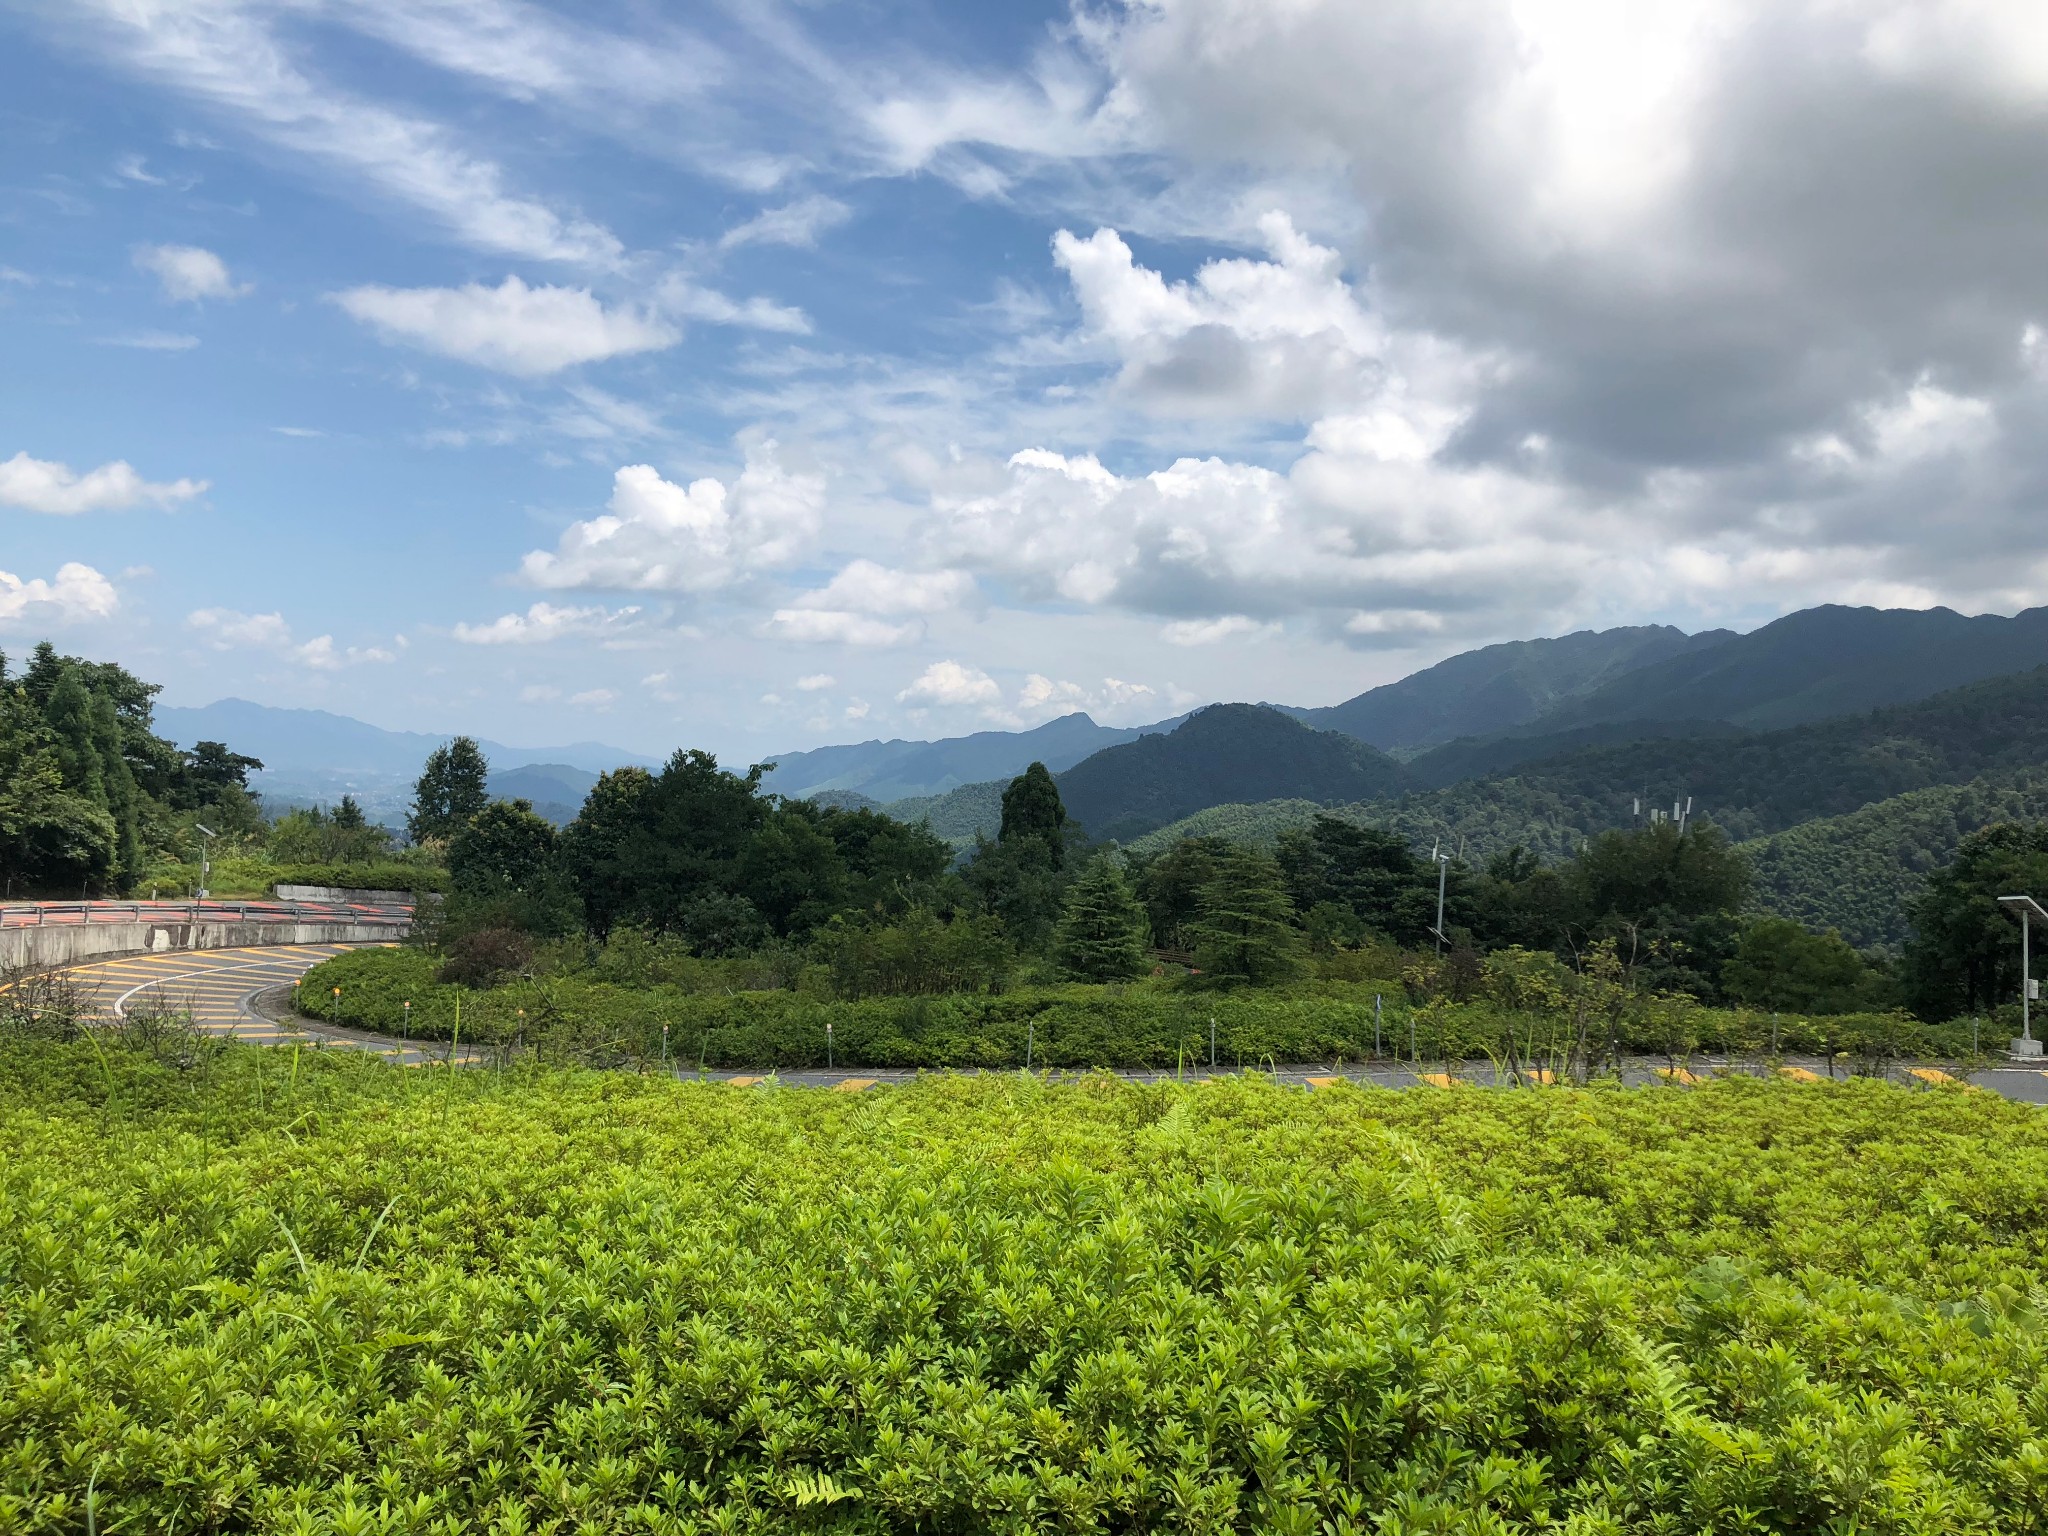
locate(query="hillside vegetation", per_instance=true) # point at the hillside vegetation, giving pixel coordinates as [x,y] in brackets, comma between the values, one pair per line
[1858,873]
[1229,752]
[1499,686]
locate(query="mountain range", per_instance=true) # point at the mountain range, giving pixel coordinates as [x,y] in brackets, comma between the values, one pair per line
[1811,735]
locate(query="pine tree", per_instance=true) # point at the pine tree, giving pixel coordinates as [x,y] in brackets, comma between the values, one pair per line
[1101,932]
[450,790]
[123,795]
[1032,809]
[1245,933]
[68,710]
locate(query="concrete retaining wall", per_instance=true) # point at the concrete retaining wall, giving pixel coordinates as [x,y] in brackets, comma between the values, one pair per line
[342,896]
[70,943]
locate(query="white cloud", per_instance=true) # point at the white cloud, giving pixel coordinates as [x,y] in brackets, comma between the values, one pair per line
[539,693]
[544,622]
[44,485]
[662,537]
[679,295]
[852,609]
[226,55]
[511,328]
[188,272]
[856,710]
[825,626]
[816,681]
[78,592]
[798,223]
[1212,631]
[948,683]
[226,629]
[593,698]
[152,341]
[1284,337]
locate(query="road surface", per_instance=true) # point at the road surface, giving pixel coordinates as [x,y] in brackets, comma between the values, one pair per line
[242,994]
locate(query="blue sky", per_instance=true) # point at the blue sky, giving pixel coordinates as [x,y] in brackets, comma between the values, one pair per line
[759,376]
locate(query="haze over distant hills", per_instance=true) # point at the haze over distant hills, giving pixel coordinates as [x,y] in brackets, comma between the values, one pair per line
[883,771]
[311,756]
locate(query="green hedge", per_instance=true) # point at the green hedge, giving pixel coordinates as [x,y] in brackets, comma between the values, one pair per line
[1141,1025]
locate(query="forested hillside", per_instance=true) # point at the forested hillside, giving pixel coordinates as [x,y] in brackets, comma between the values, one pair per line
[1754,785]
[1499,686]
[1229,752]
[1817,664]
[1856,873]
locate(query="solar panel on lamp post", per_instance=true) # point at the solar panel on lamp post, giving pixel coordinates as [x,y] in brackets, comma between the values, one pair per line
[2027,909]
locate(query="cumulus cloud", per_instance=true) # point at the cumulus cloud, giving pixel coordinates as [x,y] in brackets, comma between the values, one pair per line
[857,605]
[45,485]
[816,681]
[544,622]
[188,272]
[1285,337]
[948,683]
[226,629]
[511,328]
[658,536]
[77,592]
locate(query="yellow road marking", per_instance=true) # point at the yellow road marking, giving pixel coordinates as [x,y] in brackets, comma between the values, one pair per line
[1437,1079]
[1323,1082]
[746,1082]
[1799,1074]
[1677,1075]
[854,1084]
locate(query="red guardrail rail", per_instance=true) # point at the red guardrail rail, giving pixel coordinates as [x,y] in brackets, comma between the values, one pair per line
[37,914]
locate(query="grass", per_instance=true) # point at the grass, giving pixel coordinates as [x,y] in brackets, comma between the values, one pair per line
[316,1295]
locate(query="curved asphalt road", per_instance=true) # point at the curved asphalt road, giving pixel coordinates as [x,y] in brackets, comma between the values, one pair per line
[221,989]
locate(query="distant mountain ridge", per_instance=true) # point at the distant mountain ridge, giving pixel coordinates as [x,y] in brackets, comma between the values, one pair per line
[296,740]
[886,771]
[1498,687]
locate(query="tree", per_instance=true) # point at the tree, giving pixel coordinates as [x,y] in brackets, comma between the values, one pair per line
[1171,887]
[1782,966]
[1964,955]
[211,769]
[1101,929]
[1032,811]
[50,836]
[504,849]
[451,788]
[599,846]
[1627,875]
[1245,934]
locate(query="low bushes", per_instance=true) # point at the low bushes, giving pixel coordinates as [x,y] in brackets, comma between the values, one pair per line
[253,878]
[1147,1024]
[320,1297]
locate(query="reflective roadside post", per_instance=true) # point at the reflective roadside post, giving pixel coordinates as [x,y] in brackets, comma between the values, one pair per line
[334,1008]
[2026,909]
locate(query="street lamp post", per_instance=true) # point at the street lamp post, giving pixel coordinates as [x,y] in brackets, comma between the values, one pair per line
[2027,910]
[208,834]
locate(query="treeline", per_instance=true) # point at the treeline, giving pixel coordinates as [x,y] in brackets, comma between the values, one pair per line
[699,857]
[90,795]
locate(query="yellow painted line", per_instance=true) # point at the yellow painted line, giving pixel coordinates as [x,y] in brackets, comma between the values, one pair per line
[1799,1074]
[1437,1079]
[1677,1075]
[1323,1082]
[746,1082]
[1934,1077]
[854,1085]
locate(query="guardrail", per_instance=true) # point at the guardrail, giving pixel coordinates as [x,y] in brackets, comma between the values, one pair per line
[40,914]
